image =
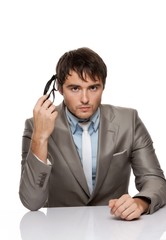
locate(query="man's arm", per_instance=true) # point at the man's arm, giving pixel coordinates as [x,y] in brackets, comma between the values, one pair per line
[149,177]
[35,174]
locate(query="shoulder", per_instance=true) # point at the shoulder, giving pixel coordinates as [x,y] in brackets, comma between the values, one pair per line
[118,111]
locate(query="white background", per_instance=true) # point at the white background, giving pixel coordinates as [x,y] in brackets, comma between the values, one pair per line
[129,35]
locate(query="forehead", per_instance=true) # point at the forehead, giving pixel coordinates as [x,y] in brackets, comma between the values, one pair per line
[75,78]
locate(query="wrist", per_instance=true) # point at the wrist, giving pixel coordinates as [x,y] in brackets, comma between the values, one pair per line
[39,148]
[143,204]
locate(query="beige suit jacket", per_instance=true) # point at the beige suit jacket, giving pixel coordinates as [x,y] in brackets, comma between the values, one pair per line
[124,144]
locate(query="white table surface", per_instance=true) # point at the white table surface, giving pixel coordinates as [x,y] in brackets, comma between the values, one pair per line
[80,223]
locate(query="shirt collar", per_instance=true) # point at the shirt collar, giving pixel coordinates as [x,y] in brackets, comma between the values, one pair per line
[74,121]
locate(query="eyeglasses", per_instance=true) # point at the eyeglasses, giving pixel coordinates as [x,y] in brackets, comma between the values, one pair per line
[52,82]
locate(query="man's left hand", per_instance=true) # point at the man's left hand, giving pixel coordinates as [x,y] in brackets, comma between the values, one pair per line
[128,208]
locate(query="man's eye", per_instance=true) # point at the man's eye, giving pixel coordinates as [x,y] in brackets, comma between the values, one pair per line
[75,89]
[93,88]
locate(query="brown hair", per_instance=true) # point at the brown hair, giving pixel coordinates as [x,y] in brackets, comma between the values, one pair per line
[83,61]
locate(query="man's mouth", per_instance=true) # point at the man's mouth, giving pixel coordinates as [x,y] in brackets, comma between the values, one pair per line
[84,108]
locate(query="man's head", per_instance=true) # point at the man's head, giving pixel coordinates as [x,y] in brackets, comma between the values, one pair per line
[81,76]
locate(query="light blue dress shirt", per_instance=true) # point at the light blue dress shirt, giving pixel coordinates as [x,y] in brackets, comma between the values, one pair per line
[77,136]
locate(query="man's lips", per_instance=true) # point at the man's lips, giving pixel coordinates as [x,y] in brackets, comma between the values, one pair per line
[84,108]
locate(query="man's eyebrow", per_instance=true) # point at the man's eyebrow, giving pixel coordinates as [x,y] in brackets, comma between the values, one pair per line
[96,85]
[77,85]
[72,85]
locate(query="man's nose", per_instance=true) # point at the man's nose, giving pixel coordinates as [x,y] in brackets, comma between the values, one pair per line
[84,97]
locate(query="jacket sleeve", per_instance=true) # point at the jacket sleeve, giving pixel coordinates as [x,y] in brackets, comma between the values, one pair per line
[149,178]
[33,188]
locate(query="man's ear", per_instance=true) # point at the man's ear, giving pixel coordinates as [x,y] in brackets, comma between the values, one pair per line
[60,89]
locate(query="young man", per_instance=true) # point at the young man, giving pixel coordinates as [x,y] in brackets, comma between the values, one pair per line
[53,172]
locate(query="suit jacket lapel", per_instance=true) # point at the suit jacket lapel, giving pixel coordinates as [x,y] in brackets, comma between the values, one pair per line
[63,139]
[107,138]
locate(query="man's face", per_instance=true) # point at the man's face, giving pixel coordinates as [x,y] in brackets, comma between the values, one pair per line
[82,98]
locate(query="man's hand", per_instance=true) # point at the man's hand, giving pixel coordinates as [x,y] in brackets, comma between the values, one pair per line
[44,115]
[128,208]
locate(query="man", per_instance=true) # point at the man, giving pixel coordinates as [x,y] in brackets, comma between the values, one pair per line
[53,172]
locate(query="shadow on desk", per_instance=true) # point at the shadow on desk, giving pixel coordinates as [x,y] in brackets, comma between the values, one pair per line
[90,223]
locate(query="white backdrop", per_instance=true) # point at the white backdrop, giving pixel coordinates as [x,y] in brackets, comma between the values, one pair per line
[129,35]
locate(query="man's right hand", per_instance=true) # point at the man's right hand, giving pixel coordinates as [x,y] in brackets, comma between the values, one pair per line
[44,115]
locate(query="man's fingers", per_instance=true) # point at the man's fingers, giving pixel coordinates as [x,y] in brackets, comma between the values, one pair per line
[119,205]
[41,100]
[112,205]
[125,207]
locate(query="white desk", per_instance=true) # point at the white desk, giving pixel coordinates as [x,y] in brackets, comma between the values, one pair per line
[79,223]
[90,223]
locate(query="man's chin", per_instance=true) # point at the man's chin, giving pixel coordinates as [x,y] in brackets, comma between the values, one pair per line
[84,115]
